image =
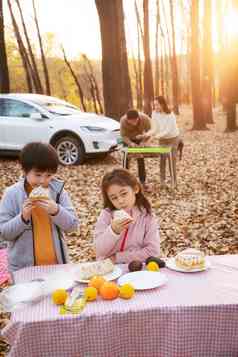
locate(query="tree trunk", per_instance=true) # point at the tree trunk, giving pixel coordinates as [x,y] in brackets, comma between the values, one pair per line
[94,83]
[207,79]
[43,59]
[175,82]
[198,121]
[157,77]
[37,81]
[29,73]
[140,81]
[81,95]
[148,77]
[231,75]
[116,82]
[4,74]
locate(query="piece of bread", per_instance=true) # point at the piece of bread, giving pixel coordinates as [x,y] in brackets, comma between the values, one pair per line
[39,193]
[87,270]
[121,214]
[190,259]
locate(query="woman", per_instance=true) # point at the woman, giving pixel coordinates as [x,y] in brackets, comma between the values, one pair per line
[165,128]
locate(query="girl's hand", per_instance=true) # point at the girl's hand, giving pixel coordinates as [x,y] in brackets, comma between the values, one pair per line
[27,209]
[119,225]
[50,206]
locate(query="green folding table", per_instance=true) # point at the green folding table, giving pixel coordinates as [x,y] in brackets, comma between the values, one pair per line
[150,152]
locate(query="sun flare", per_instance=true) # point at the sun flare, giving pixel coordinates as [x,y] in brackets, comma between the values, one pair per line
[231,22]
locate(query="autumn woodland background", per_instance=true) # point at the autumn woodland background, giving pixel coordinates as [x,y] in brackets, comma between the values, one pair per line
[186,50]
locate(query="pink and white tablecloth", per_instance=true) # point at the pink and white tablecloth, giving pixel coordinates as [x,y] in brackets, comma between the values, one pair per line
[193,315]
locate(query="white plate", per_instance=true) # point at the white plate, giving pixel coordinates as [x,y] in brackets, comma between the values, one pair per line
[110,276]
[170,263]
[143,280]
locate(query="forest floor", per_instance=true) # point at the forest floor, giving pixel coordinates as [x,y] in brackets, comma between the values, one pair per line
[202,212]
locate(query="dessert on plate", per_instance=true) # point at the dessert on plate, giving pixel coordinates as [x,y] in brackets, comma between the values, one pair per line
[190,259]
[39,193]
[87,270]
[121,214]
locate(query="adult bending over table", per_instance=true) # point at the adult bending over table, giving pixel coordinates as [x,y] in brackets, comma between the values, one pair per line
[134,128]
[164,127]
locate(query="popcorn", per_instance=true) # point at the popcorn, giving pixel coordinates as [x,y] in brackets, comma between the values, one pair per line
[121,214]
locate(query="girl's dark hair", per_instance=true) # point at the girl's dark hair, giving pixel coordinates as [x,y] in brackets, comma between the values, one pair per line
[163,103]
[122,177]
[39,156]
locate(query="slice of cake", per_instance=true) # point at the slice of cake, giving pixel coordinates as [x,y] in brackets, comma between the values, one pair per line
[190,259]
[87,270]
[121,214]
[39,193]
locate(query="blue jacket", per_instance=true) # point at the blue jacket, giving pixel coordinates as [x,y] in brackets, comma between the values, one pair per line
[19,235]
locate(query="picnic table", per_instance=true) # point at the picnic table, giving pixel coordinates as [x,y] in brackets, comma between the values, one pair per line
[192,315]
[149,152]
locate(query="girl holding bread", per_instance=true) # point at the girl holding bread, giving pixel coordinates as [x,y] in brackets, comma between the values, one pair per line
[126,229]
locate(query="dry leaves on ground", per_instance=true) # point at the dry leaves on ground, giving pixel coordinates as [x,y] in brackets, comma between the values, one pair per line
[202,213]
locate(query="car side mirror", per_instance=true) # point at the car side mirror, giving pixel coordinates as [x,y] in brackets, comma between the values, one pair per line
[36,116]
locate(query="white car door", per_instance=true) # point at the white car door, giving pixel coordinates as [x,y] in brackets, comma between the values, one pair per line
[17,128]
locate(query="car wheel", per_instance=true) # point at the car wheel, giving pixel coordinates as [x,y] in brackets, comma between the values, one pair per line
[70,151]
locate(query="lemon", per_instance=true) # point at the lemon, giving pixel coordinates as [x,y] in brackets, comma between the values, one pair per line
[126,291]
[90,293]
[152,266]
[59,296]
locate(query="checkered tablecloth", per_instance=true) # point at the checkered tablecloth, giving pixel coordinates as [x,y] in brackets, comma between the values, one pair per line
[193,315]
[4,275]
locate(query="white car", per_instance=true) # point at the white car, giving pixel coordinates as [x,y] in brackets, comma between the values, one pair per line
[74,134]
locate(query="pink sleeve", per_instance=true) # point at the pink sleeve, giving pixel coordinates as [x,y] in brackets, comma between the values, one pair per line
[104,237]
[151,245]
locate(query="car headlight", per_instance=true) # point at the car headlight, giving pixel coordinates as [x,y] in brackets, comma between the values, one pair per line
[95,129]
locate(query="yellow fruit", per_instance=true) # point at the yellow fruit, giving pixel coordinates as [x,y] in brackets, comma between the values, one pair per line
[96,282]
[152,266]
[59,296]
[126,291]
[90,293]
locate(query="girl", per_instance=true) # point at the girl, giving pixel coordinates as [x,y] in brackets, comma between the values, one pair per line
[165,128]
[120,239]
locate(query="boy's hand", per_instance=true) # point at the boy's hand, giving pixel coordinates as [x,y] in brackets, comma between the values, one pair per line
[27,209]
[50,206]
[119,225]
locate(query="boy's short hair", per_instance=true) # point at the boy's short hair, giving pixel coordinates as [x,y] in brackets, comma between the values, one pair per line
[39,156]
[132,114]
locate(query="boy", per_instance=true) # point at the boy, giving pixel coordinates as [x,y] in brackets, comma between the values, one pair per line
[33,228]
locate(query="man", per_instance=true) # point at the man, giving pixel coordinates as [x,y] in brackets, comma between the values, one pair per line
[134,128]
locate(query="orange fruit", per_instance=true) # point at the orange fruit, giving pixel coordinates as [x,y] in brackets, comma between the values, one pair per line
[90,293]
[96,281]
[109,291]
[59,296]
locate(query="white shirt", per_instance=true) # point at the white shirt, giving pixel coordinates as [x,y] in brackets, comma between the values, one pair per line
[164,125]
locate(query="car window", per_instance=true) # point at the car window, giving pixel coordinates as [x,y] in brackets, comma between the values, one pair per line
[15,108]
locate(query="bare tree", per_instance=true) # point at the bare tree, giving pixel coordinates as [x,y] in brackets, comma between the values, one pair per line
[157,26]
[207,73]
[139,77]
[81,95]
[175,81]
[93,81]
[198,119]
[116,82]
[4,75]
[148,77]
[45,69]
[29,72]
[35,75]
